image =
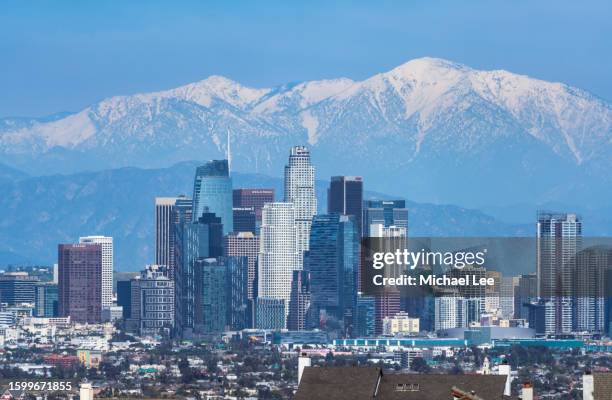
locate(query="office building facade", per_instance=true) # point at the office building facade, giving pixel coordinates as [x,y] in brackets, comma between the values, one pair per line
[80,282]
[245,244]
[202,238]
[46,300]
[278,254]
[253,198]
[212,192]
[106,242]
[17,288]
[333,261]
[345,196]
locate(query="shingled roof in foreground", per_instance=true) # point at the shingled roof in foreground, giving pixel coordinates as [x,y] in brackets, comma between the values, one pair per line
[371,383]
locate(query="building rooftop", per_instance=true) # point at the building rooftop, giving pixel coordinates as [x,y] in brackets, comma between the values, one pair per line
[371,383]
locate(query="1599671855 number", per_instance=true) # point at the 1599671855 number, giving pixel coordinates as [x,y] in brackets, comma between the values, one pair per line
[41,386]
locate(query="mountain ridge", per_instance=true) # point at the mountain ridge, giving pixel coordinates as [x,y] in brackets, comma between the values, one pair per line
[428,124]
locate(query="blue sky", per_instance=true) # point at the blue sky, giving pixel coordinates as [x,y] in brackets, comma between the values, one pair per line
[63,55]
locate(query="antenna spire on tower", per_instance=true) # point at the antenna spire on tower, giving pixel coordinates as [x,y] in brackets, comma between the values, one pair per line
[229,152]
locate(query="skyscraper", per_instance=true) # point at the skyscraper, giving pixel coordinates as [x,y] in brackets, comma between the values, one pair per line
[182,214]
[559,238]
[524,294]
[255,198]
[389,303]
[153,306]
[300,190]
[164,212]
[332,262]
[278,254]
[46,300]
[593,267]
[506,295]
[106,242]
[80,282]
[201,239]
[345,196]
[365,316]
[476,294]
[384,212]
[299,305]
[221,294]
[450,311]
[124,297]
[244,244]
[212,190]
[244,219]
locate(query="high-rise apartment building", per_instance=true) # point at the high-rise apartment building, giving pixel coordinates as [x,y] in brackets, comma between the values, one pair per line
[255,198]
[333,260]
[593,269]
[212,192]
[476,294]
[278,255]
[451,311]
[559,238]
[221,302]
[80,282]
[300,191]
[345,196]
[152,301]
[106,243]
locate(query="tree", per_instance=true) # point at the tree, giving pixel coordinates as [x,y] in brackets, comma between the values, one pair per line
[418,364]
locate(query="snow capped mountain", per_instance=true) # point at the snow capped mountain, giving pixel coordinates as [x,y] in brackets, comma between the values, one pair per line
[425,129]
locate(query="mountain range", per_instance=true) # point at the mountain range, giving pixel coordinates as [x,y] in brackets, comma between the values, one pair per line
[430,130]
[37,213]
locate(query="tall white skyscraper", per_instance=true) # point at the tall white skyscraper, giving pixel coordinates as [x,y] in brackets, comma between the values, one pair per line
[300,190]
[278,253]
[164,207]
[106,242]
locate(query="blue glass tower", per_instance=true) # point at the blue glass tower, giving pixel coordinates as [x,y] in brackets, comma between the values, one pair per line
[332,262]
[202,238]
[212,189]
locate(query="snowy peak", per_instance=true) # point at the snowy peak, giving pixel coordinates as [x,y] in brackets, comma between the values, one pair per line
[218,88]
[427,105]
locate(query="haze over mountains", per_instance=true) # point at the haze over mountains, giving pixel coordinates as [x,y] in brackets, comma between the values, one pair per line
[37,213]
[429,130]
